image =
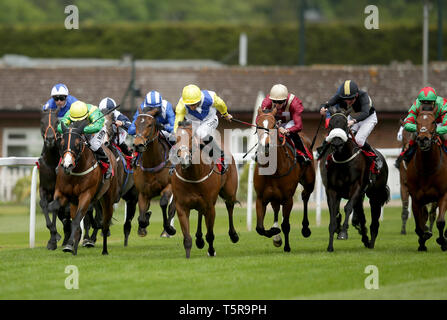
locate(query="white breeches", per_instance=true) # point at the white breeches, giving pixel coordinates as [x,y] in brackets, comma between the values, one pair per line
[364,128]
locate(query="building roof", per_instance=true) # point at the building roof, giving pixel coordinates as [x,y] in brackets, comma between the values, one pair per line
[392,88]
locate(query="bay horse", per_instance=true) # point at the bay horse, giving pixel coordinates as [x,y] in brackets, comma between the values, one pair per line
[404,194]
[151,175]
[345,174]
[279,185]
[124,175]
[47,164]
[426,174]
[80,183]
[196,184]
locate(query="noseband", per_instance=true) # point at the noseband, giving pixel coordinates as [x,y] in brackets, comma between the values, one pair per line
[68,150]
[153,133]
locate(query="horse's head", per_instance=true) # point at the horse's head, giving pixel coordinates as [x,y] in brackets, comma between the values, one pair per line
[338,128]
[72,144]
[110,128]
[185,144]
[146,129]
[266,119]
[48,127]
[426,127]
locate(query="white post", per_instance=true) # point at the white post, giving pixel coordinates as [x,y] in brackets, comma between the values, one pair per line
[251,170]
[425,46]
[32,209]
[318,195]
[243,49]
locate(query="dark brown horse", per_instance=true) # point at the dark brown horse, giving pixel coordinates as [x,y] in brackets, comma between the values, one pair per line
[151,174]
[345,174]
[48,162]
[124,175]
[80,182]
[196,184]
[426,174]
[404,194]
[276,182]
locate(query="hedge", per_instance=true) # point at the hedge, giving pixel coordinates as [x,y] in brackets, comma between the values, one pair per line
[267,45]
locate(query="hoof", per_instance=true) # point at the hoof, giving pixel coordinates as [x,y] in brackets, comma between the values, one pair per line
[272,232]
[68,248]
[403,231]
[371,245]
[105,253]
[213,254]
[200,243]
[277,241]
[422,248]
[329,249]
[427,235]
[286,249]
[58,237]
[343,235]
[164,234]
[142,232]
[234,237]
[306,232]
[51,245]
[170,230]
[87,243]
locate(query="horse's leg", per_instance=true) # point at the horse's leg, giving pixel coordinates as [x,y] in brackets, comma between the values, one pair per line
[376,210]
[166,195]
[432,215]
[440,223]
[260,214]
[143,219]
[356,197]
[305,195]
[420,218]
[200,243]
[97,221]
[183,217]
[209,220]
[231,230]
[285,225]
[404,195]
[51,225]
[88,221]
[277,240]
[363,231]
[107,213]
[64,216]
[77,213]
[131,198]
[334,204]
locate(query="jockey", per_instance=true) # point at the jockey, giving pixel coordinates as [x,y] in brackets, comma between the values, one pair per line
[199,107]
[94,132]
[427,96]
[59,99]
[120,120]
[289,109]
[166,117]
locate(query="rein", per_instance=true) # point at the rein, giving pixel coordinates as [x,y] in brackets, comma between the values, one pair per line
[194,181]
[68,150]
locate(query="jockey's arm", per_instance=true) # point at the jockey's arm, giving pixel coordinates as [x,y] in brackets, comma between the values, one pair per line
[125,121]
[296,109]
[66,120]
[220,105]
[96,121]
[442,128]
[132,129]
[410,120]
[170,117]
[180,112]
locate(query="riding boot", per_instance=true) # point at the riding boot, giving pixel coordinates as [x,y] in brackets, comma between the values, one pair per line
[322,149]
[411,150]
[220,162]
[300,146]
[101,156]
[378,162]
[398,161]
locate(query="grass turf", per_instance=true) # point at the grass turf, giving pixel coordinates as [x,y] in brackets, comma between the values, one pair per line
[156,268]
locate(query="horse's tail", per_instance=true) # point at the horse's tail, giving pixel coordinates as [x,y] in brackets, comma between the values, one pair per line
[383,196]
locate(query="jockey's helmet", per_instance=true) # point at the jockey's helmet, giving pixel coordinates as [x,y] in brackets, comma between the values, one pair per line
[59,89]
[107,104]
[279,92]
[348,90]
[153,99]
[78,111]
[427,94]
[191,94]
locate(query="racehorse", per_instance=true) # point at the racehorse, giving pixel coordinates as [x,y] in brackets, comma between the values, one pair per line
[80,183]
[404,194]
[345,174]
[426,173]
[151,174]
[279,186]
[124,175]
[196,184]
[47,164]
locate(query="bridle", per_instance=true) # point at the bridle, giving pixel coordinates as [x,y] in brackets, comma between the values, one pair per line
[153,133]
[69,150]
[267,130]
[49,127]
